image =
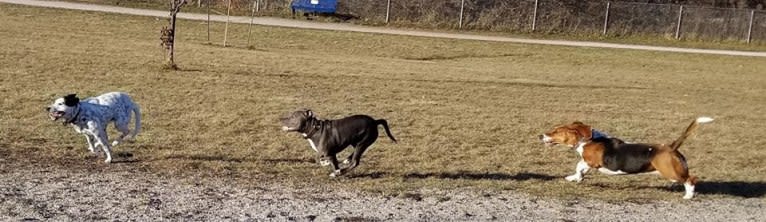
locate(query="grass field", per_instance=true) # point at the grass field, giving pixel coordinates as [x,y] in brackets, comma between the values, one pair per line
[466,113]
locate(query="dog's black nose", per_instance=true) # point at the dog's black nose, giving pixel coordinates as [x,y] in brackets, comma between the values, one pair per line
[47,109]
[540,137]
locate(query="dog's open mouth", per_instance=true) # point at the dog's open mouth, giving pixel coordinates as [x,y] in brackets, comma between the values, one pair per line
[56,114]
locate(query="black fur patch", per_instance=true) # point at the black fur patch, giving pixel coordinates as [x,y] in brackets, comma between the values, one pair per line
[629,158]
[71,100]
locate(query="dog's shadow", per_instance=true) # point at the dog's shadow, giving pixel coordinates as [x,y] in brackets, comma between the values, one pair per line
[289,160]
[481,176]
[731,188]
[199,157]
[370,175]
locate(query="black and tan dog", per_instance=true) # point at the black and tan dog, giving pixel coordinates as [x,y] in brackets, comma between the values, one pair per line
[614,157]
[330,137]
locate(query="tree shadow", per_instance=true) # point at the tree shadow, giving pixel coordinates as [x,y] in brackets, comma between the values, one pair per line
[481,176]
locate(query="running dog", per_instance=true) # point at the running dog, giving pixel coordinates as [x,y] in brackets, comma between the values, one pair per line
[612,156]
[92,115]
[330,137]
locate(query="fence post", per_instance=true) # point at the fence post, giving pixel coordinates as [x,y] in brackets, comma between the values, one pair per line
[388,10]
[258,5]
[750,27]
[226,30]
[534,17]
[606,17]
[460,22]
[208,20]
[680,19]
[250,27]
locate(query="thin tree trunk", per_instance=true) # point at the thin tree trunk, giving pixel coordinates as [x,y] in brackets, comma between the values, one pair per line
[169,34]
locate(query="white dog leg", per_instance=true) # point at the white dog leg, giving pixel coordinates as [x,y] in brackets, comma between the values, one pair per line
[689,190]
[91,146]
[103,140]
[582,168]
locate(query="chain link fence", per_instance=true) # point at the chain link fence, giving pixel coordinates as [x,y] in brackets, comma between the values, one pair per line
[550,16]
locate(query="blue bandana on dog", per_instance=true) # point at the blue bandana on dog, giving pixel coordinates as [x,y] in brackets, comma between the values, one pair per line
[595,134]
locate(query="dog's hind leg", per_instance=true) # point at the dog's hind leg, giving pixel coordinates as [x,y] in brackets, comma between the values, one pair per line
[350,157]
[356,156]
[122,127]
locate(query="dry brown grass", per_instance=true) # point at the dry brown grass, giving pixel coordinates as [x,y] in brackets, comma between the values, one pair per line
[466,113]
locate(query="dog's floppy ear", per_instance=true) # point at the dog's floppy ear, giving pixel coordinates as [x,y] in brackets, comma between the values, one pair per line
[583,130]
[71,100]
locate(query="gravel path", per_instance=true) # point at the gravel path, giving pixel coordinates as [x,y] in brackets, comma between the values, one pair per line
[119,192]
[269,21]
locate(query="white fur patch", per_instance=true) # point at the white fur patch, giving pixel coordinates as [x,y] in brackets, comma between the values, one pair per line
[704,119]
[547,139]
[610,172]
[580,147]
[582,168]
[313,146]
[689,190]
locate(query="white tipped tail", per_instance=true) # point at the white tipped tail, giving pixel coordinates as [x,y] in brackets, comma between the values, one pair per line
[704,119]
[689,130]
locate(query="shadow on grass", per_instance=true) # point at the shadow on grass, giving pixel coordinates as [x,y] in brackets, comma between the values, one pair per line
[288,160]
[733,188]
[481,176]
[206,158]
[370,175]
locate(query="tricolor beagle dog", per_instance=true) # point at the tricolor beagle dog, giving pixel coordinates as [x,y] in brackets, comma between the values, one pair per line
[613,156]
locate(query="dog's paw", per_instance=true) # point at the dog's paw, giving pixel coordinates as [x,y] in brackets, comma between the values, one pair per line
[108,160]
[574,178]
[688,196]
[324,162]
[335,174]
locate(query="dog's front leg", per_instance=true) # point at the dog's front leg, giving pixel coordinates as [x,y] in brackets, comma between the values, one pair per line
[334,162]
[101,139]
[89,139]
[582,168]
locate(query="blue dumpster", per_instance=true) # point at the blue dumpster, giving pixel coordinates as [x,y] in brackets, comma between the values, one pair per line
[315,6]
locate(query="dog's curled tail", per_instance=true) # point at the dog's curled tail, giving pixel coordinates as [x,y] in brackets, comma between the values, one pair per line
[689,131]
[137,114]
[385,126]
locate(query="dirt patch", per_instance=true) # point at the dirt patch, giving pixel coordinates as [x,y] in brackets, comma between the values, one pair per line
[121,193]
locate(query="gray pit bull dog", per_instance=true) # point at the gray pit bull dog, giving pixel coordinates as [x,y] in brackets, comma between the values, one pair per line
[330,137]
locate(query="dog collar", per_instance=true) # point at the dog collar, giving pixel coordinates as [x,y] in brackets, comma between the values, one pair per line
[76,116]
[595,134]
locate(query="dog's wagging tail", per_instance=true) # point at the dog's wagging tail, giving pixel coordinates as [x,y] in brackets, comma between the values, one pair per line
[388,131]
[690,131]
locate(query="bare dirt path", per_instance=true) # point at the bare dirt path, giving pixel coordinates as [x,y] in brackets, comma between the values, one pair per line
[124,192]
[269,21]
